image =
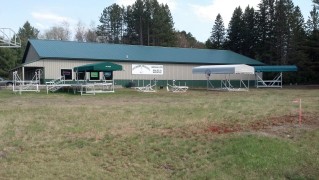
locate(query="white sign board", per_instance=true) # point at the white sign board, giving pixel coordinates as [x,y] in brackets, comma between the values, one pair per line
[147,69]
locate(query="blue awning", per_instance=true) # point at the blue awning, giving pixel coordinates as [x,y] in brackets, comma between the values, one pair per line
[284,68]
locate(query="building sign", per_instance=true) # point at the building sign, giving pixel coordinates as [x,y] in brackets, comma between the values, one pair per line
[147,69]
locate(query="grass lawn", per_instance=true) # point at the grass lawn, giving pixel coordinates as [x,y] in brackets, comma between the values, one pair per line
[132,135]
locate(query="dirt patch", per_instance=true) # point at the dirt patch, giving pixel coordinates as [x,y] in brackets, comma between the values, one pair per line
[283,126]
[224,129]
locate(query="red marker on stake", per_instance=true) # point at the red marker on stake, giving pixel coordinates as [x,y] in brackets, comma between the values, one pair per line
[300,112]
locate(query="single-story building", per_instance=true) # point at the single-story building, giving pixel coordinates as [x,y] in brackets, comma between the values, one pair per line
[59,58]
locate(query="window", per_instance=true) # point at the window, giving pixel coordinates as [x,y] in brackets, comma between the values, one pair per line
[94,76]
[108,75]
[80,76]
[67,73]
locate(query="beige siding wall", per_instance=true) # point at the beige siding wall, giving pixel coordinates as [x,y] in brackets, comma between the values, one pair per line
[171,72]
[52,69]
[174,71]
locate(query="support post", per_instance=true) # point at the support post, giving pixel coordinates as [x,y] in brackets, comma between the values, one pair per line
[23,77]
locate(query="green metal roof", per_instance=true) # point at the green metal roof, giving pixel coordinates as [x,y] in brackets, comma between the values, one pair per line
[52,49]
[104,66]
[284,68]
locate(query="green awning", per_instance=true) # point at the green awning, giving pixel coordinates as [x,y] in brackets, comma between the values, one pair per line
[101,67]
[284,68]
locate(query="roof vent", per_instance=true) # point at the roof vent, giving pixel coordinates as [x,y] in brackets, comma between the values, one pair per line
[126,56]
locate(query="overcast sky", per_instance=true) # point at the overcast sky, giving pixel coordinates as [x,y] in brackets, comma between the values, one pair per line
[194,16]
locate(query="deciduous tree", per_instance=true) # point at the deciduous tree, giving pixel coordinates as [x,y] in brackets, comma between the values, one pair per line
[60,32]
[187,40]
[80,31]
[90,34]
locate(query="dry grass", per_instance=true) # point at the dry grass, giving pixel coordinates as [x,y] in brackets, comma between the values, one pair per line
[131,135]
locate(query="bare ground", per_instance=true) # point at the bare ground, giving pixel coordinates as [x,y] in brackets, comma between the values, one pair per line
[283,126]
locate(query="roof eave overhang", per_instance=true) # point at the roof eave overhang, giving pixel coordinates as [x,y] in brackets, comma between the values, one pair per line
[146,61]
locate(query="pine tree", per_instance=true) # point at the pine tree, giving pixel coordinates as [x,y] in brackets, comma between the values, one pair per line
[312,47]
[150,7]
[112,23]
[313,21]
[281,32]
[8,60]
[298,36]
[164,27]
[217,37]
[138,19]
[25,33]
[249,33]
[209,44]
[149,23]
[296,52]
[235,31]
[265,31]
[146,22]
[130,34]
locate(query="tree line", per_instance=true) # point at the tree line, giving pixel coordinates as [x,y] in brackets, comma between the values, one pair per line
[274,33]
